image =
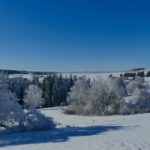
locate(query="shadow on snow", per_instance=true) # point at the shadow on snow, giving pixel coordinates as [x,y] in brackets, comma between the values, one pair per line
[56,135]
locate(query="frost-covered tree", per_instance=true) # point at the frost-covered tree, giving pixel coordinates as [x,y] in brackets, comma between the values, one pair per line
[9,108]
[78,95]
[97,98]
[139,101]
[33,96]
[78,91]
[104,99]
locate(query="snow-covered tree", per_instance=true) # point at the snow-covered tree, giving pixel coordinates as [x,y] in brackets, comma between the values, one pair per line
[78,95]
[14,118]
[139,101]
[33,96]
[97,98]
[78,92]
[104,99]
[9,108]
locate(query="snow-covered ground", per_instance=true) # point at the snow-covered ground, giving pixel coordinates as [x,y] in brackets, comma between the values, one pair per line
[93,75]
[85,133]
[27,76]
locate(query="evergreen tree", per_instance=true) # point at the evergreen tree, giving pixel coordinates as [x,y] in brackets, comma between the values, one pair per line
[148,74]
[47,88]
[140,74]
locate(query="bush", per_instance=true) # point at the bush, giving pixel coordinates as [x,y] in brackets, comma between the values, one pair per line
[108,97]
[34,120]
[97,99]
[139,101]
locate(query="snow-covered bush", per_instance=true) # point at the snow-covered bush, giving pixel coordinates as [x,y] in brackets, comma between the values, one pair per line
[105,97]
[33,96]
[9,108]
[139,101]
[34,120]
[98,98]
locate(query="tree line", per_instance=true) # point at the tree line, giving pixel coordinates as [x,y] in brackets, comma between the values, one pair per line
[54,88]
[135,74]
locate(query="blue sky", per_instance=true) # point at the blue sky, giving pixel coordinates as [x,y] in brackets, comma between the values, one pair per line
[74,35]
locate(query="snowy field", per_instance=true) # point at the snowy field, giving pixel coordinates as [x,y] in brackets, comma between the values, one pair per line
[85,133]
[88,75]
[93,75]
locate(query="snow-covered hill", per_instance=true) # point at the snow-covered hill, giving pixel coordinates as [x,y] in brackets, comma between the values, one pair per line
[88,75]
[85,133]
[91,75]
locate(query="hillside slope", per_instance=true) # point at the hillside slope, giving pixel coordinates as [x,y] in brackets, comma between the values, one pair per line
[86,133]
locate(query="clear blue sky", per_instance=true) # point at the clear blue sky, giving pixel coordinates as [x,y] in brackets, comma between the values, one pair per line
[74,35]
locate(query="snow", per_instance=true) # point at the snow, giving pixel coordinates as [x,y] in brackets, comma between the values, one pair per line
[84,132]
[26,76]
[93,76]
